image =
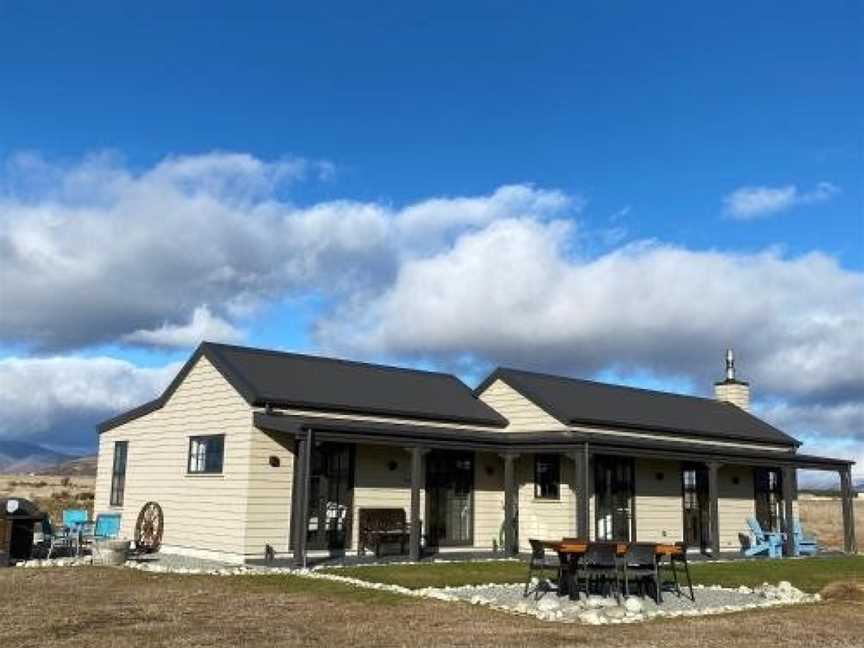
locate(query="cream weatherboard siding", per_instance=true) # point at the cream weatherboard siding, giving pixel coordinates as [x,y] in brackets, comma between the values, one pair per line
[659,515]
[488,499]
[545,518]
[522,414]
[376,486]
[204,514]
[735,503]
[268,511]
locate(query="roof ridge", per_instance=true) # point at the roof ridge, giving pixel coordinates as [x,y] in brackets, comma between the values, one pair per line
[329,359]
[609,384]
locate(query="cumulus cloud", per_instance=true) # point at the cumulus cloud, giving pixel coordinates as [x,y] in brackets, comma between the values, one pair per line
[59,399]
[202,326]
[515,292]
[121,252]
[747,203]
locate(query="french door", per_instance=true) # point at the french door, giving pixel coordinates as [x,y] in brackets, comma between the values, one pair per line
[768,485]
[331,489]
[613,499]
[697,518]
[449,498]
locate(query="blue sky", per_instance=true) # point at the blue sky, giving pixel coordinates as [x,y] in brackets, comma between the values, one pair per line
[716,147]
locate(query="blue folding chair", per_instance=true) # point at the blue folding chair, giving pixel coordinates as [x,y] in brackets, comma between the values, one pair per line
[74,519]
[770,543]
[804,545]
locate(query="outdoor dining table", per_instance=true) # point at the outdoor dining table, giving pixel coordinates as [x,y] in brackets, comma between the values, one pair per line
[569,551]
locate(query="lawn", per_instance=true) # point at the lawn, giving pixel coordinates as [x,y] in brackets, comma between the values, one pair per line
[104,607]
[808,575]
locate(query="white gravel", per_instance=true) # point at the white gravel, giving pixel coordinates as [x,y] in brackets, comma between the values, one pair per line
[547,605]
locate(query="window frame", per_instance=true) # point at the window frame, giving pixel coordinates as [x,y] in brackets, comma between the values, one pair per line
[201,457]
[553,460]
[118,474]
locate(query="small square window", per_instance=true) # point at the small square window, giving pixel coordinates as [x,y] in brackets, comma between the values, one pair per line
[206,453]
[547,476]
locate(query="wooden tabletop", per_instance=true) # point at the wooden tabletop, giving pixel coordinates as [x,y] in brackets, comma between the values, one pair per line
[578,546]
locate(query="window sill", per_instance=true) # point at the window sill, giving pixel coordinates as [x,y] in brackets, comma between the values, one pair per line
[205,475]
[547,500]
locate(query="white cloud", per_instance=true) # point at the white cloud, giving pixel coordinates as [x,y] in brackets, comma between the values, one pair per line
[747,203]
[513,293]
[61,398]
[121,253]
[202,326]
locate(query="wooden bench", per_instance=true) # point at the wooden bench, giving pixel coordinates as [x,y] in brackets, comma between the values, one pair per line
[379,526]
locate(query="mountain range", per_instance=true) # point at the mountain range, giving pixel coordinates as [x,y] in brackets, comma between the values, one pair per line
[24,457]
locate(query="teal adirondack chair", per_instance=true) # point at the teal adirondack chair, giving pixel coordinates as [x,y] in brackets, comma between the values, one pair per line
[804,545]
[106,527]
[770,543]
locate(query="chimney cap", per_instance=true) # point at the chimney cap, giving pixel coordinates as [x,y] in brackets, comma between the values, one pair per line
[730,371]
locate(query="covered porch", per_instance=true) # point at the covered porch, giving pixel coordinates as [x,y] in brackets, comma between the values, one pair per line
[608,488]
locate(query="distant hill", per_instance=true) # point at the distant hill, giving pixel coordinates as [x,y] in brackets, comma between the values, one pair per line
[81,467]
[24,457]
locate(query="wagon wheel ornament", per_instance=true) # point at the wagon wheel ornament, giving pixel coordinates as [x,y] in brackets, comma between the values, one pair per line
[148,528]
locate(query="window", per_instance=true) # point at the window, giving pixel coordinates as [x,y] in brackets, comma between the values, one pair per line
[205,453]
[547,476]
[118,473]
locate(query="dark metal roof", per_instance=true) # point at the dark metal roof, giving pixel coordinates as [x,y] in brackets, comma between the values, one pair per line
[583,402]
[291,380]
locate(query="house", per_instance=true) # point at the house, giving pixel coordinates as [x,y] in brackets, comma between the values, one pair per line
[248,448]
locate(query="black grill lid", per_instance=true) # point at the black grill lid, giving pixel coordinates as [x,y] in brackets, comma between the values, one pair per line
[18,507]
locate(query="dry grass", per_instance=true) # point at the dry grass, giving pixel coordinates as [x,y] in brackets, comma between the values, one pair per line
[51,493]
[822,518]
[114,607]
[844,591]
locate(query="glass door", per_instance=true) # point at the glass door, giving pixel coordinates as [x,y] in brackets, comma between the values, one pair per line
[449,498]
[613,498]
[331,488]
[697,519]
[769,498]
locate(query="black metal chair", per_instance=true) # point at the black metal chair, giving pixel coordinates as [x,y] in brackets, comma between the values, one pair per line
[538,563]
[599,565]
[640,564]
[680,558]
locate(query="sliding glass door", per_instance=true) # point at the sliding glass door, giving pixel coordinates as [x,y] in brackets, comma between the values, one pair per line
[331,489]
[449,498]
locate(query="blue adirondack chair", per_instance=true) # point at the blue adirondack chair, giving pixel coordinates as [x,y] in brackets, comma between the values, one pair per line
[804,545]
[770,543]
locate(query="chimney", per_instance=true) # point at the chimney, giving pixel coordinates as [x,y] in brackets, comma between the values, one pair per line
[731,389]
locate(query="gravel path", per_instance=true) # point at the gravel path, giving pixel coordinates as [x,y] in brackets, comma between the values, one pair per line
[174,561]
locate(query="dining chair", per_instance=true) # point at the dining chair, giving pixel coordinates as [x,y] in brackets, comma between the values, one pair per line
[640,564]
[539,563]
[600,565]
